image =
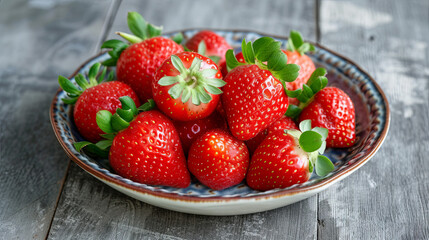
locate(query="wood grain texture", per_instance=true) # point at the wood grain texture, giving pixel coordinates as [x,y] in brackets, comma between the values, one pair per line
[40,40]
[90,209]
[388,197]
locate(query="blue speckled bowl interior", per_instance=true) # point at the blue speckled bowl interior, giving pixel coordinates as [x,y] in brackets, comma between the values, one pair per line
[371,121]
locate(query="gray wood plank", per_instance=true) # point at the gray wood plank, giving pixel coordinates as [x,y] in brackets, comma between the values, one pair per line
[388,197]
[39,41]
[90,209]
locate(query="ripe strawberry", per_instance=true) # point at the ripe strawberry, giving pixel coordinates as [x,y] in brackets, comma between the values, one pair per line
[329,108]
[144,147]
[218,160]
[191,130]
[287,158]
[296,49]
[214,46]
[284,123]
[186,86]
[254,96]
[94,96]
[136,63]
[333,109]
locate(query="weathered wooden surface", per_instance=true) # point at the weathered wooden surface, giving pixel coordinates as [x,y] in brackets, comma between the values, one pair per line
[386,199]
[39,40]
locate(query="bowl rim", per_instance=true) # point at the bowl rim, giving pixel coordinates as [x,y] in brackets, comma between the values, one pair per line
[325,182]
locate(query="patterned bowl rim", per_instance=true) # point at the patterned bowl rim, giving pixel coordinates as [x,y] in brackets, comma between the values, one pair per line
[279,194]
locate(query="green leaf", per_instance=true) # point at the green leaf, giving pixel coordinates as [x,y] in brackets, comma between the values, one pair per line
[195,98]
[310,141]
[114,44]
[293,111]
[109,136]
[175,91]
[316,73]
[110,62]
[294,133]
[103,119]
[305,125]
[247,50]
[129,37]
[69,101]
[195,65]
[178,38]
[215,59]
[209,73]
[93,150]
[127,115]
[128,103]
[81,81]
[324,166]
[104,144]
[321,131]
[264,53]
[137,25]
[178,64]
[213,90]
[261,43]
[68,86]
[93,71]
[216,82]
[305,47]
[307,91]
[102,75]
[153,30]
[231,61]
[79,145]
[186,94]
[277,61]
[322,148]
[294,94]
[203,96]
[119,123]
[202,48]
[149,105]
[295,41]
[310,167]
[168,80]
[111,76]
[289,73]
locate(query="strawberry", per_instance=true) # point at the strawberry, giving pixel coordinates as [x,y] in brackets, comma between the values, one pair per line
[218,160]
[136,63]
[254,96]
[144,147]
[191,130]
[333,109]
[186,86]
[287,158]
[296,49]
[209,44]
[284,123]
[93,96]
[329,108]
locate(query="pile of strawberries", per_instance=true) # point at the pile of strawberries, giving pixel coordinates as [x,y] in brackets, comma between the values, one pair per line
[263,115]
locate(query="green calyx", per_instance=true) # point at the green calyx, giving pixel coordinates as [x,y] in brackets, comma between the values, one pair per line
[73,91]
[317,82]
[141,30]
[192,83]
[202,48]
[296,43]
[313,141]
[267,54]
[111,124]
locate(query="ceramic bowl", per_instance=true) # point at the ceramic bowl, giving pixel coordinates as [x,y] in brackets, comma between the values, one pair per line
[372,124]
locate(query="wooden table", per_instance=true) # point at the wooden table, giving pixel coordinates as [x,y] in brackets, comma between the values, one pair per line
[44,195]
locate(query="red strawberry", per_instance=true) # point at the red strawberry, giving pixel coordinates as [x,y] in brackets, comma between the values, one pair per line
[191,130]
[284,159]
[333,109]
[218,160]
[94,96]
[136,63]
[214,45]
[254,96]
[186,86]
[296,49]
[284,123]
[145,147]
